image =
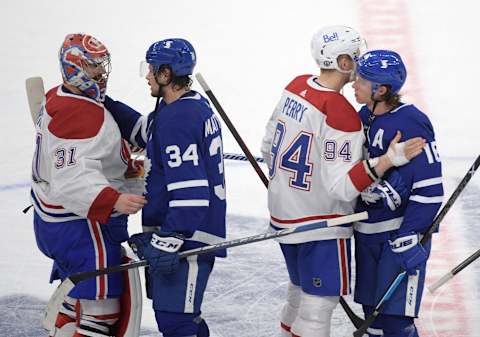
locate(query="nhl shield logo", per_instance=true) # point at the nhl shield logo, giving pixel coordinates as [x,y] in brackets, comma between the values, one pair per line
[317,282]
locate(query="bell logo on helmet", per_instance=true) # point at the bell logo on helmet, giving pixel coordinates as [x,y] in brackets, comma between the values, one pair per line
[329,38]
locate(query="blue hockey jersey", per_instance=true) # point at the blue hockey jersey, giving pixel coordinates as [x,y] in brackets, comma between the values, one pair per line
[422,177]
[185,186]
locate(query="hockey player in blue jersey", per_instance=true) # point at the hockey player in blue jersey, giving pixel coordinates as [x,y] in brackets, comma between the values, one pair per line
[401,206]
[185,187]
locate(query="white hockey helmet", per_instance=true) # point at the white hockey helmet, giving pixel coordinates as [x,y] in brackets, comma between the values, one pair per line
[332,41]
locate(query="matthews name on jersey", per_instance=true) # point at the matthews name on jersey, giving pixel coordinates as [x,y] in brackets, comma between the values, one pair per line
[313,144]
[422,177]
[80,159]
[184,167]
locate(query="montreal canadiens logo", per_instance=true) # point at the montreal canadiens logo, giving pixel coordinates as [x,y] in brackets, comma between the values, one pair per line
[92,45]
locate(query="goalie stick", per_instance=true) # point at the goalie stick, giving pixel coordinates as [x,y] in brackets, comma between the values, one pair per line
[35,93]
[67,284]
[356,321]
[427,236]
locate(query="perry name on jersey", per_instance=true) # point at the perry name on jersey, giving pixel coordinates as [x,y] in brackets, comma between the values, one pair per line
[421,180]
[80,159]
[184,167]
[313,144]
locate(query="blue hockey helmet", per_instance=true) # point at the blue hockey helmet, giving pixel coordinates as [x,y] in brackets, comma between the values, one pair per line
[176,53]
[382,67]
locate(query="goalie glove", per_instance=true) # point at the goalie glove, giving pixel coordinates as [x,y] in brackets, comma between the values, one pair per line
[389,193]
[408,251]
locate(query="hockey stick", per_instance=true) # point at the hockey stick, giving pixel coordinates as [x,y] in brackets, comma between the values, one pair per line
[35,93]
[433,227]
[356,321]
[67,284]
[241,157]
[448,276]
[232,129]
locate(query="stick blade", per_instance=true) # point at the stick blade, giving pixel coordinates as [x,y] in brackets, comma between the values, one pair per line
[54,303]
[35,93]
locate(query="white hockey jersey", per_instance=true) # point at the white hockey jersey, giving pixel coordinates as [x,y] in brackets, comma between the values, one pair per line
[80,159]
[313,145]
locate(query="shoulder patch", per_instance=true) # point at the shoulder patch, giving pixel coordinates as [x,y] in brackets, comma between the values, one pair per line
[72,117]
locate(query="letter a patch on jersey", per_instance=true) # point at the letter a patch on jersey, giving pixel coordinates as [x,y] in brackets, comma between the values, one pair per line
[377,140]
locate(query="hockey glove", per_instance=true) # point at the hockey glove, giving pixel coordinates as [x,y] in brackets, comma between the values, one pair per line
[409,253]
[138,242]
[162,252]
[387,193]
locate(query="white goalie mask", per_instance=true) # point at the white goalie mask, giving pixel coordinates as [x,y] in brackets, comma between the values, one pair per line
[332,41]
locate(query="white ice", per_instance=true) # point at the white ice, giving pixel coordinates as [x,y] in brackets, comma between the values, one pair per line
[247,51]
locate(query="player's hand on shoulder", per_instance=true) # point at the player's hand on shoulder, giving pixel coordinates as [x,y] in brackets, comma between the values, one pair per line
[129,203]
[401,153]
[162,252]
[408,251]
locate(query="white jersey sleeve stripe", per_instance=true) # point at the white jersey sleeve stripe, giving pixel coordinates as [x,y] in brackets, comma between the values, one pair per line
[426,200]
[188,203]
[186,184]
[427,182]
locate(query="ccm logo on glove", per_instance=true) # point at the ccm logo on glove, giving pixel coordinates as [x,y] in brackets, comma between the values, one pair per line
[167,244]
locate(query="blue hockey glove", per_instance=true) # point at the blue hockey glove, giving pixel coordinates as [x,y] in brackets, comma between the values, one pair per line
[387,193]
[138,242]
[162,252]
[409,253]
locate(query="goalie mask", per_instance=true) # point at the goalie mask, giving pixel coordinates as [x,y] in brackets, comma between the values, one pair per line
[332,41]
[85,64]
